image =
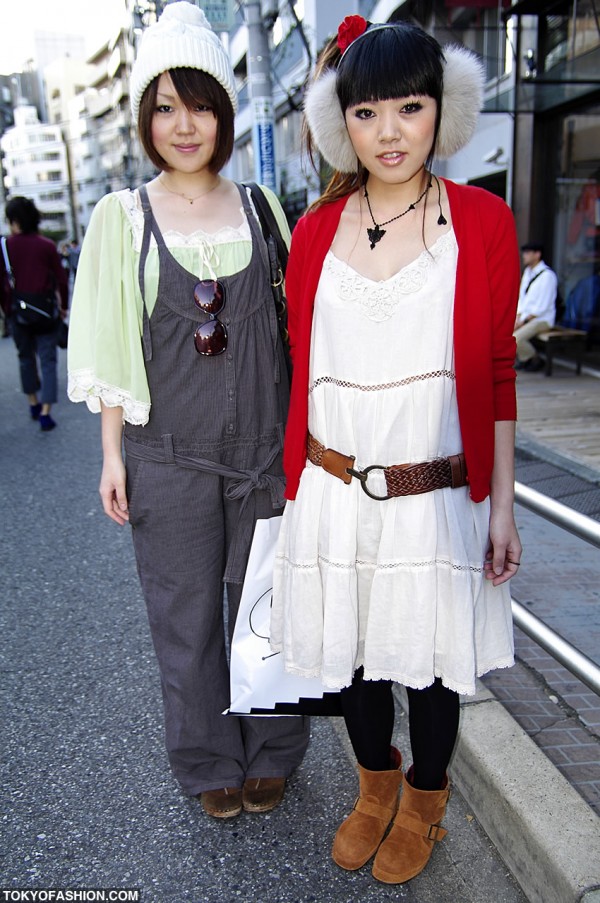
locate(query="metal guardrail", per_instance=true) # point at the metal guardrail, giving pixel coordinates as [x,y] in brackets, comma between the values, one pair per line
[559,514]
[587,529]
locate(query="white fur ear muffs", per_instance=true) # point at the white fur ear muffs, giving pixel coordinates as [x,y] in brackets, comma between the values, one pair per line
[327,124]
[464,78]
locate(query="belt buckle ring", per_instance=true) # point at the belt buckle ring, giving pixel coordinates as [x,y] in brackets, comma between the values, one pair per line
[363,476]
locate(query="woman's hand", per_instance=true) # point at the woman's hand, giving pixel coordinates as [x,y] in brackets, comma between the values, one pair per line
[112,490]
[503,556]
[504,552]
[113,479]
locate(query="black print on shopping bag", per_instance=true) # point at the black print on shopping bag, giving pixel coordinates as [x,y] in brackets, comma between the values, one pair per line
[258,619]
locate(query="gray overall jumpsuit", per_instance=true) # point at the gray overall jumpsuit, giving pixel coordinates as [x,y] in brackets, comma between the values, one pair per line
[207,464]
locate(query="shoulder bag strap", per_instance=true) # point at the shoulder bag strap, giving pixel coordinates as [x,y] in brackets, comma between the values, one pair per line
[268,223]
[9,272]
[278,258]
[537,276]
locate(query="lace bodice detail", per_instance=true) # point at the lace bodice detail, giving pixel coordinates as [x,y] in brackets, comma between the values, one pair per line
[379,300]
[228,234]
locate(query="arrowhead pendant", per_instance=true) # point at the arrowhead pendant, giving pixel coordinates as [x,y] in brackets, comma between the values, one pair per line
[375,235]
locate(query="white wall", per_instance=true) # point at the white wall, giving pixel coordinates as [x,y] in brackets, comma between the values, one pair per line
[494,130]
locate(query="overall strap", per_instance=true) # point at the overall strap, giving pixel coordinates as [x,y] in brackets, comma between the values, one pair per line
[148,223]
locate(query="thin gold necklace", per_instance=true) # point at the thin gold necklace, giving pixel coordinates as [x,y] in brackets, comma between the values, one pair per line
[180,194]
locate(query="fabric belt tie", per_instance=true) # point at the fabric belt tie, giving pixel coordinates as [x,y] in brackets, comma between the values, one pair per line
[400,479]
[239,484]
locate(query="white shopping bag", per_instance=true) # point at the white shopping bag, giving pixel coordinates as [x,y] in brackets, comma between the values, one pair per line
[258,680]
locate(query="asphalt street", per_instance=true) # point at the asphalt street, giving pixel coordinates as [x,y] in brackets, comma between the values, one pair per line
[87,797]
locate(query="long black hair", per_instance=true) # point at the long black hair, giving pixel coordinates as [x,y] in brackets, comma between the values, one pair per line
[399,60]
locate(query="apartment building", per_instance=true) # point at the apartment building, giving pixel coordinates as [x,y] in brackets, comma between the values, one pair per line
[35,162]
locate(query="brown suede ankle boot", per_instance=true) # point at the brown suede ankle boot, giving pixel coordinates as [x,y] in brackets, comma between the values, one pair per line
[361,833]
[406,850]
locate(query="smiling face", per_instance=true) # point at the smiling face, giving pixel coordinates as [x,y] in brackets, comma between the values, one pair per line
[185,138]
[393,138]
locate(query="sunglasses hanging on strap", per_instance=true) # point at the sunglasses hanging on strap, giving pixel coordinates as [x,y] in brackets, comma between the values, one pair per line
[278,257]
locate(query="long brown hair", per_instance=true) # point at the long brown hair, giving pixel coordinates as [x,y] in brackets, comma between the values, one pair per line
[341,183]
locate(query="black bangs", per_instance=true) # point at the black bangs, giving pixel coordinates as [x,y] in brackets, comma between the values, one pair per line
[391,62]
[195,86]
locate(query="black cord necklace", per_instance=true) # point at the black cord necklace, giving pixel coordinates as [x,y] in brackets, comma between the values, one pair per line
[377,233]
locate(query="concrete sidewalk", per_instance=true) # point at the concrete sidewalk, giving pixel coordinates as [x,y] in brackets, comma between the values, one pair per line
[88,797]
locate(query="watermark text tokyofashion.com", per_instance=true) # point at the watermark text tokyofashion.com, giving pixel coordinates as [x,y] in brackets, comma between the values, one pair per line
[70,895]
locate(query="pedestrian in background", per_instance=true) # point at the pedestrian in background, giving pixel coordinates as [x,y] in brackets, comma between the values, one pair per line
[37,270]
[536,310]
[173,331]
[402,290]
[73,256]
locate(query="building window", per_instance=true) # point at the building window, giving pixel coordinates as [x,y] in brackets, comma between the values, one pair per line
[483,31]
[245,160]
[49,177]
[577,220]
[288,135]
[565,38]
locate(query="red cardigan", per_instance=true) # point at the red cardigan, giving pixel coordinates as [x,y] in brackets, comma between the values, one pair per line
[485,302]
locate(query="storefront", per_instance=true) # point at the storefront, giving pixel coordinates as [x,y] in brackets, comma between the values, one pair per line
[556,187]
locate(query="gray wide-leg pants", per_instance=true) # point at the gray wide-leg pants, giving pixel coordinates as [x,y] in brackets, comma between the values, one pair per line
[182,531]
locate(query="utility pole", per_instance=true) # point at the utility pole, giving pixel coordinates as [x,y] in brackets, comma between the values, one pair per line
[261,96]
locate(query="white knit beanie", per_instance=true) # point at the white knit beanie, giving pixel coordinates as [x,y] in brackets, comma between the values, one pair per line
[182,37]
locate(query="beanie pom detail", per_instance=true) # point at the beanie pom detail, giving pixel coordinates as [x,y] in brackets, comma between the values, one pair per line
[182,38]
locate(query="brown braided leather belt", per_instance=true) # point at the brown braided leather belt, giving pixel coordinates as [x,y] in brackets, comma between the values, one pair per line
[400,479]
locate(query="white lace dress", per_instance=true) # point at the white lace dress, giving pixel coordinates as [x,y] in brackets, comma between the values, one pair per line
[397,586]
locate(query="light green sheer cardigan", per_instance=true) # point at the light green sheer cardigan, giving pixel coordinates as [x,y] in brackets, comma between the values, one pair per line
[105,357]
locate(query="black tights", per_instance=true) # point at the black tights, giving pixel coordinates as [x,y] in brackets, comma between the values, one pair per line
[368,709]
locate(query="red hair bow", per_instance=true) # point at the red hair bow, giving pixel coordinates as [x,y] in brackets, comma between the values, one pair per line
[350,29]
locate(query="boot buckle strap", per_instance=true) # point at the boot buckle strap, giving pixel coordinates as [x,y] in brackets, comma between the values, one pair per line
[436,832]
[416,826]
[377,811]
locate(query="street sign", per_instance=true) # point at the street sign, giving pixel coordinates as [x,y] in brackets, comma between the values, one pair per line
[264,143]
[219,13]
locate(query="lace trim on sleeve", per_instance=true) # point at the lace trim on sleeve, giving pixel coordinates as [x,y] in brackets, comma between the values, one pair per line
[84,386]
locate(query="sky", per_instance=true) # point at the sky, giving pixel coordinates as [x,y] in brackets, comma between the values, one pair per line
[94,19]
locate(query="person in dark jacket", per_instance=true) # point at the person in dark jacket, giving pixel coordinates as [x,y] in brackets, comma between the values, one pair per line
[37,269]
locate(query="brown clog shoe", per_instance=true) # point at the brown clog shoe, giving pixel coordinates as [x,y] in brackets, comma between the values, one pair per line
[262,794]
[222,803]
